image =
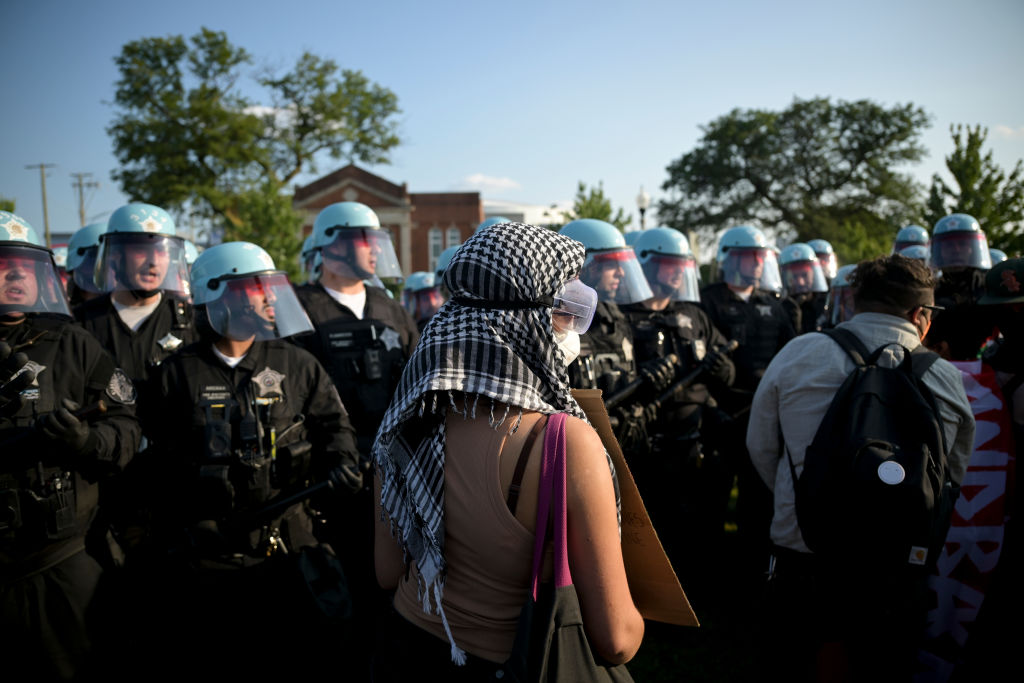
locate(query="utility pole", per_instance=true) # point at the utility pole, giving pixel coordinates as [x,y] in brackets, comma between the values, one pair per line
[42,180]
[81,185]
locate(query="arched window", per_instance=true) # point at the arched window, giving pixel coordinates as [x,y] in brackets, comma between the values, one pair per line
[453,237]
[434,247]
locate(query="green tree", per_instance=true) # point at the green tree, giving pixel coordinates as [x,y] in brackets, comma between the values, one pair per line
[593,203]
[188,137]
[817,169]
[983,190]
[6,204]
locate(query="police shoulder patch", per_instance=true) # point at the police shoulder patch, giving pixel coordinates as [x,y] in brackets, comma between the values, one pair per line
[120,388]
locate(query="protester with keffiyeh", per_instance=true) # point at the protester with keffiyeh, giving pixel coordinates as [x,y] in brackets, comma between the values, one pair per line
[489,365]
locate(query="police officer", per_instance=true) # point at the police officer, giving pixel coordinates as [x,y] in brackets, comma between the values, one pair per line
[81,262]
[363,338]
[826,257]
[840,297]
[421,297]
[66,423]
[960,251]
[606,359]
[806,286]
[674,477]
[909,236]
[146,317]
[247,419]
[744,306]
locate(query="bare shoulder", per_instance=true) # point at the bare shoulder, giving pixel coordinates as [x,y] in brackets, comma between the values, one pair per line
[584,448]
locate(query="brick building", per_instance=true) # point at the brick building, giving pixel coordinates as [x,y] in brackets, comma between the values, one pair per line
[422,224]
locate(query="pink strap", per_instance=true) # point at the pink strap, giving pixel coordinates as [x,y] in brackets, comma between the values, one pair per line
[551,497]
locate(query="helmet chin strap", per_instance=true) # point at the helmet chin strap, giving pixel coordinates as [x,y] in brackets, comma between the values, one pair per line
[349,261]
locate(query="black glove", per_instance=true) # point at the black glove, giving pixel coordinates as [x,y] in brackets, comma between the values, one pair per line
[61,425]
[723,368]
[347,476]
[659,372]
[11,383]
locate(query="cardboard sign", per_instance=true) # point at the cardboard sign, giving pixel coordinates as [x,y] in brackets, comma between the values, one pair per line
[652,581]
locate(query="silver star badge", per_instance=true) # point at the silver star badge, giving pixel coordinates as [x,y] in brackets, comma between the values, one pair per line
[269,382]
[169,342]
[391,339]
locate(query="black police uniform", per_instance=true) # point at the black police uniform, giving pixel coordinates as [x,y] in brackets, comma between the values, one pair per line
[228,442]
[673,477]
[49,585]
[364,357]
[139,352]
[606,362]
[806,311]
[761,327]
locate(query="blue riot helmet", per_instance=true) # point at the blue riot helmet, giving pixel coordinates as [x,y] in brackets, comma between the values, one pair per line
[191,253]
[746,259]
[244,295]
[353,244]
[908,236]
[493,220]
[29,279]
[611,267]
[82,249]
[801,269]
[632,236]
[444,259]
[668,264]
[421,295]
[840,296]
[140,252]
[917,251]
[826,256]
[958,242]
[309,260]
[997,255]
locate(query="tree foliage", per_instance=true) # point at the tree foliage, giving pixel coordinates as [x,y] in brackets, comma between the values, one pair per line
[983,190]
[6,204]
[593,203]
[817,169]
[186,134]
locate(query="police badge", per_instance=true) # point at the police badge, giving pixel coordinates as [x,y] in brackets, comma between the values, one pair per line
[269,382]
[169,342]
[120,388]
[390,338]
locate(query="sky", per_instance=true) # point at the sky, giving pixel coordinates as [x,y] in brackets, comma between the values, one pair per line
[522,100]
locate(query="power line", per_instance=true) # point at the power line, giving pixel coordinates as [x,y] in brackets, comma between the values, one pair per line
[42,181]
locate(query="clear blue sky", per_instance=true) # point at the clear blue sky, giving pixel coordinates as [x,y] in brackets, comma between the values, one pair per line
[521,100]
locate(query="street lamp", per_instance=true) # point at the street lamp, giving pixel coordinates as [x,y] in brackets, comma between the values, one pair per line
[643,200]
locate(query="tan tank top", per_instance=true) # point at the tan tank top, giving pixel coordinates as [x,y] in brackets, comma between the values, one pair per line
[488,551]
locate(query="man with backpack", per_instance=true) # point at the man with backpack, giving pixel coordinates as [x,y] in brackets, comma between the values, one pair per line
[864,459]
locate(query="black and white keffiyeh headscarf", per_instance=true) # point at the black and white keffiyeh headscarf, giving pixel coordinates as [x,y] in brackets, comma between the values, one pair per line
[493,340]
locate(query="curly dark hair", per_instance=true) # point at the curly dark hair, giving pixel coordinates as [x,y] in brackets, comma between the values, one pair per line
[892,284]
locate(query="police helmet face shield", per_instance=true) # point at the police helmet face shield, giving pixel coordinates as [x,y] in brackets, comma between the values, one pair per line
[257,306]
[673,276]
[360,253]
[840,304]
[30,281]
[573,306]
[960,249]
[616,276]
[752,266]
[422,303]
[142,262]
[802,277]
[84,273]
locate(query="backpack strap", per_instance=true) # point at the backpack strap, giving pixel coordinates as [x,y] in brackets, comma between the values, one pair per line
[851,343]
[524,455]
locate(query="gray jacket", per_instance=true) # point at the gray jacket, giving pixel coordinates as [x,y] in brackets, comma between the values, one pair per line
[797,389]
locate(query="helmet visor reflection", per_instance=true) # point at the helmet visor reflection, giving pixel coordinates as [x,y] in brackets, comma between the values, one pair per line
[617,276]
[258,306]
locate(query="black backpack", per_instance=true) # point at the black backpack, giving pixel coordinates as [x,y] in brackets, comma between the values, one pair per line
[875,491]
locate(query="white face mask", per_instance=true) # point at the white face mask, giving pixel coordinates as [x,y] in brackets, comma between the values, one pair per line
[569,342]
